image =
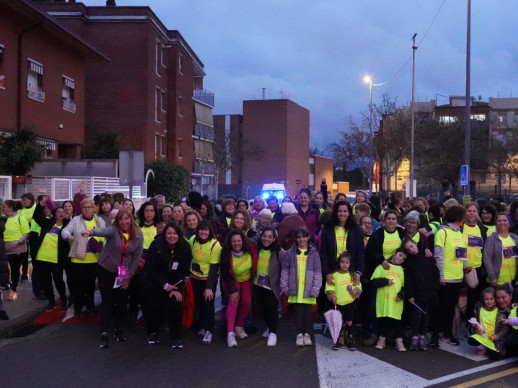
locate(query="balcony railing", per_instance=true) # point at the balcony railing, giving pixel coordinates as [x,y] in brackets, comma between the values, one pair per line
[204,132]
[204,96]
[36,94]
[69,105]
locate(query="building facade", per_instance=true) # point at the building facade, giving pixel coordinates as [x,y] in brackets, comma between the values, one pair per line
[43,78]
[269,145]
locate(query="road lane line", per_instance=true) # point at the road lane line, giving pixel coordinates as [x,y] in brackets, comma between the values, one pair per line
[466,372]
[485,379]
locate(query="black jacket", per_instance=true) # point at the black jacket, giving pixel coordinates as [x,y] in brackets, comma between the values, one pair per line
[354,246]
[46,225]
[421,278]
[374,250]
[163,267]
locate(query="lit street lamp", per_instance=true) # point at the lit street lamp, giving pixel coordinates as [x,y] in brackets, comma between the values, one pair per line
[368,80]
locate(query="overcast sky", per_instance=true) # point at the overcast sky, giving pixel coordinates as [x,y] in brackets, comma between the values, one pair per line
[316,52]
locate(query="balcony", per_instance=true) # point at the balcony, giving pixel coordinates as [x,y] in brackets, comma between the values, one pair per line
[36,94]
[204,96]
[203,132]
[69,105]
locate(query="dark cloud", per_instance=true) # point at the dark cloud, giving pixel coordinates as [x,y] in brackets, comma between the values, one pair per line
[317,52]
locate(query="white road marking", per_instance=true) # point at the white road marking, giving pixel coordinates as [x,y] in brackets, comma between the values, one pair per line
[343,368]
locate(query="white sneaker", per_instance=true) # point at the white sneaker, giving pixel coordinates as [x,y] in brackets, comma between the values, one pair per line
[207,338]
[231,340]
[240,332]
[272,339]
[307,340]
[300,340]
[266,333]
[201,332]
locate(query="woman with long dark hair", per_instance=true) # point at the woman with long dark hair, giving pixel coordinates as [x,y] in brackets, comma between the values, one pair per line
[167,265]
[117,264]
[267,290]
[238,266]
[206,252]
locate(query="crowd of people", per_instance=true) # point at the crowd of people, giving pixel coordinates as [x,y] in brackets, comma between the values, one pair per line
[386,266]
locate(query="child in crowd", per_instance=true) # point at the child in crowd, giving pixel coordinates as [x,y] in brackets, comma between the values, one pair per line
[342,294]
[485,322]
[389,299]
[301,279]
[421,290]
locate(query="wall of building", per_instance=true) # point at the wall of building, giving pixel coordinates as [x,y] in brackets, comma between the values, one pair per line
[59,58]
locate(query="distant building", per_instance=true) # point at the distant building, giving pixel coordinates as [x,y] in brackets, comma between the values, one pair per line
[269,144]
[501,115]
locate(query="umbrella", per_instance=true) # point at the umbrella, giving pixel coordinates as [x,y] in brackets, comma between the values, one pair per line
[334,323]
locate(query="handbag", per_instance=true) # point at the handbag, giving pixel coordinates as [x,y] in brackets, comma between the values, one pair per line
[471,278]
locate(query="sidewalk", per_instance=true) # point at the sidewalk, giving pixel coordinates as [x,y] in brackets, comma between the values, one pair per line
[22,311]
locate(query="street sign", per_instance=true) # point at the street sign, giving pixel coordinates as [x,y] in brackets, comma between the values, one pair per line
[464,175]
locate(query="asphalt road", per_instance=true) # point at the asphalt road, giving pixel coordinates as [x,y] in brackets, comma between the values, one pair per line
[68,355]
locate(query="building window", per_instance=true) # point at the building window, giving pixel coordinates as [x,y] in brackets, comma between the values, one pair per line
[158,103]
[2,76]
[68,94]
[516,117]
[179,147]
[502,118]
[180,63]
[163,101]
[179,108]
[159,146]
[158,57]
[35,81]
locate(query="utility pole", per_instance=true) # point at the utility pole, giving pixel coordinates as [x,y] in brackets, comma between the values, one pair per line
[467,138]
[414,47]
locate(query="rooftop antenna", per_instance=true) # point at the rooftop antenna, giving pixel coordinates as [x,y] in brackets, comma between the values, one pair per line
[264,93]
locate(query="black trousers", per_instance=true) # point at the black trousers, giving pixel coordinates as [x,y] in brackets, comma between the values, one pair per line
[204,308]
[448,299]
[15,262]
[157,305]
[65,264]
[84,285]
[268,306]
[49,272]
[303,318]
[113,300]
[385,325]
[420,321]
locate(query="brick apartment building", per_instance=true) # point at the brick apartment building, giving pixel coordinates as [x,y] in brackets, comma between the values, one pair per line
[121,70]
[42,77]
[270,142]
[152,90]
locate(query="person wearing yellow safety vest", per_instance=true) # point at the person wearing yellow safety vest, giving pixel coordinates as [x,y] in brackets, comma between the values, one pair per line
[511,340]
[266,281]
[475,234]
[51,250]
[15,237]
[4,268]
[485,324]
[505,337]
[500,253]
[27,211]
[84,258]
[488,216]
[418,235]
[381,246]
[206,252]
[451,257]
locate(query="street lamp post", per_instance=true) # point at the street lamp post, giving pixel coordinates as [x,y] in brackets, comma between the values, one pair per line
[368,80]
[467,138]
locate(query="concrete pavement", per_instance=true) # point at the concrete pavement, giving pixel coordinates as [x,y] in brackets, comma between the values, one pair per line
[22,311]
